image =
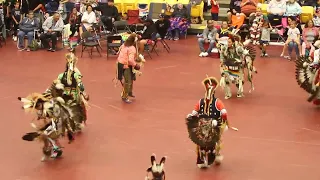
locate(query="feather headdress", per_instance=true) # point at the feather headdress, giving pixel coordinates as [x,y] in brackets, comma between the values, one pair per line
[30,102]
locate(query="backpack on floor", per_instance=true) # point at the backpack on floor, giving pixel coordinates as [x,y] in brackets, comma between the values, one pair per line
[34,45]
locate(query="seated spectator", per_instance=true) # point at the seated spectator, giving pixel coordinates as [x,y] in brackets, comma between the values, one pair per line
[276,9]
[74,19]
[235,7]
[292,8]
[292,19]
[258,16]
[309,36]
[237,20]
[248,7]
[146,37]
[87,20]
[316,18]
[162,25]
[209,36]
[179,22]
[17,18]
[27,27]
[293,37]
[109,14]
[223,33]
[52,27]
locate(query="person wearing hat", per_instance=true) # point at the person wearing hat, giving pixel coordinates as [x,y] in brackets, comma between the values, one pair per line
[212,108]
[162,25]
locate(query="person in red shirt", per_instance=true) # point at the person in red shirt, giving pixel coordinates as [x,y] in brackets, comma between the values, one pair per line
[214,9]
[210,107]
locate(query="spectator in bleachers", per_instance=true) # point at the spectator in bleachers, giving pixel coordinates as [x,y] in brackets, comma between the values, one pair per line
[214,9]
[249,6]
[293,37]
[309,35]
[276,10]
[316,18]
[223,33]
[74,19]
[17,18]
[208,36]
[52,27]
[234,9]
[27,27]
[237,20]
[292,8]
[109,14]
[179,22]
[87,20]
[162,25]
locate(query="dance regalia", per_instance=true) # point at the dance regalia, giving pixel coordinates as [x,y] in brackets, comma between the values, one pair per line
[206,124]
[74,90]
[55,118]
[234,60]
[308,77]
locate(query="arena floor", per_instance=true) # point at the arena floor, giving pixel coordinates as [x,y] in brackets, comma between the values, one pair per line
[278,138]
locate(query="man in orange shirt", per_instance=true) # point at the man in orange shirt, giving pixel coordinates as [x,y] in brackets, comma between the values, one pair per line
[209,109]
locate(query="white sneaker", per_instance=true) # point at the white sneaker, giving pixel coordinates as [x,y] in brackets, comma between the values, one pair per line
[14,38]
[218,159]
[205,54]
[201,54]
[214,50]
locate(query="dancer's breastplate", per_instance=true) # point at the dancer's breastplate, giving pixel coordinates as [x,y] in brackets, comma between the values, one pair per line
[210,110]
[64,81]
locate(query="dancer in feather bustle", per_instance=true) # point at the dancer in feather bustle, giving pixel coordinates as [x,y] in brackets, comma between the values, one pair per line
[53,119]
[74,88]
[235,57]
[308,76]
[206,124]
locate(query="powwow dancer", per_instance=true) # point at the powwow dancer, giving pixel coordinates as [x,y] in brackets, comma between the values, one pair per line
[71,78]
[308,77]
[55,118]
[206,124]
[235,57]
[128,65]
[156,170]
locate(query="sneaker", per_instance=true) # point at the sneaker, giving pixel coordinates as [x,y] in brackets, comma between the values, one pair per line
[205,54]
[266,55]
[50,49]
[201,54]
[28,49]
[227,97]
[21,48]
[14,38]
[176,39]
[53,50]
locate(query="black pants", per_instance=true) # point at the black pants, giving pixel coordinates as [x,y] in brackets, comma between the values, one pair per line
[45,37]
[74,28]
[275,20]
[107,22]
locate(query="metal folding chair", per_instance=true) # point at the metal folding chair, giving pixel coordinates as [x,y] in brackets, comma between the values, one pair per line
[120,27]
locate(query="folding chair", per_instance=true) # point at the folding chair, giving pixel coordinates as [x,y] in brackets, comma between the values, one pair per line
[162,41]
[134,20]
[26,37]
[89,41]
[112,43]
[120,27]
[147,46]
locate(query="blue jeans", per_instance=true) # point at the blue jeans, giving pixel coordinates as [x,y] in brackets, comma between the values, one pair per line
[201,43]
[21,35]
[293,46]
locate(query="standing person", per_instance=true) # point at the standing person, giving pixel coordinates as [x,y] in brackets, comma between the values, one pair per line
[36,6]
[126,63]
[265,37]
[17,18]
[109,13]
[214,10]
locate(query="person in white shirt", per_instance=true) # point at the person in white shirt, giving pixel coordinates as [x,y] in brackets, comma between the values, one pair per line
[87,20]
[293,36]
